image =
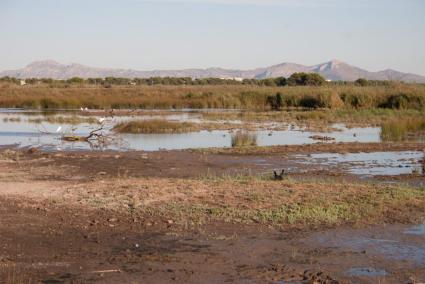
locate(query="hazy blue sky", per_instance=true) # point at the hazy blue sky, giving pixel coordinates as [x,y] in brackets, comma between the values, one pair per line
[168,34]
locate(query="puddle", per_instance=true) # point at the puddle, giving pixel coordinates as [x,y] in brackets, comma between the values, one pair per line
[369,164]
[18,127]
[393,242]
[366,271]
[416,230]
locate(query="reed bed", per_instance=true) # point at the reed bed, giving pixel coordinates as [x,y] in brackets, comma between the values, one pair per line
[401,129]
[12,119]
[154,126]
[393,96]
[244,139]
[73,120]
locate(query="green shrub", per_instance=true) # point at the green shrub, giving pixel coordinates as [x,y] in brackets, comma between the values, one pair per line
[404,101]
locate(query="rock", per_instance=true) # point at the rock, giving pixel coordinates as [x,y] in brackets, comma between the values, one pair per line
[32,150]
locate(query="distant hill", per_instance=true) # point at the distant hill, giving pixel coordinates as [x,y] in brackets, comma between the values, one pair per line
[333,70]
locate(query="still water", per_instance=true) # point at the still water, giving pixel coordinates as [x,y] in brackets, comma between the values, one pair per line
[18,127]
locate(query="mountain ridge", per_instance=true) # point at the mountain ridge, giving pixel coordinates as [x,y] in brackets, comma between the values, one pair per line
[334,70]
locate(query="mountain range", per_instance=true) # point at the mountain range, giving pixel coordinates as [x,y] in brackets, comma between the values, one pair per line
[334,70]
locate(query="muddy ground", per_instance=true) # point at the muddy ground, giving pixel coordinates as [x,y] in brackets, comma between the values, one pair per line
[44,239]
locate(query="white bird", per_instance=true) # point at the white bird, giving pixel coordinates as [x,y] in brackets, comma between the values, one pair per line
[102,119]
[86,109]
[59,129]
[81,108]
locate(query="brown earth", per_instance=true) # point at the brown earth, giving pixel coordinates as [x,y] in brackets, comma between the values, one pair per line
[72,218]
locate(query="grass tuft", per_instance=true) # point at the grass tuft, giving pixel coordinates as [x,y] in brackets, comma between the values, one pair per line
[398,130]
[154,126]
[244,139]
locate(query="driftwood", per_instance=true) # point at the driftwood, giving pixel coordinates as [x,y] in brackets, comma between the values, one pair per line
[93,134]
[322,138]
[97,138]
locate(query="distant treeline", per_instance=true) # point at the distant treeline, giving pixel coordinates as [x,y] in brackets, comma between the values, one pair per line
[296,79]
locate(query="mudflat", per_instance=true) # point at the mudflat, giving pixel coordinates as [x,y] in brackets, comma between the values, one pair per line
[206,216]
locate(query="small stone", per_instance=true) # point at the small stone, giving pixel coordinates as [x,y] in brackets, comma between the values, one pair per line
[32,150]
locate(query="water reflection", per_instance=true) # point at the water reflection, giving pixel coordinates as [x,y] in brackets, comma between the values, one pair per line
[17,128]
[372,164]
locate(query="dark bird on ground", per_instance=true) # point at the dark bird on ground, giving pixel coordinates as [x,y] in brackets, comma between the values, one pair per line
[278,176]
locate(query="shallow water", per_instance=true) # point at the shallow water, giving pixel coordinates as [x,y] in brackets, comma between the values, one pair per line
[46,135]
[416,230]
[393,242]
[370,164]
[366,271]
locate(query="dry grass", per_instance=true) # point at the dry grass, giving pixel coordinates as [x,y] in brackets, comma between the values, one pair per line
[395,96]
[73,120]
[154,126]
[12,119]
[349,116]
[244,139]
[400,129]
[258,200]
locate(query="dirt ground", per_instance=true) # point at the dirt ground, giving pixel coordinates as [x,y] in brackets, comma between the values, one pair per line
[53,228]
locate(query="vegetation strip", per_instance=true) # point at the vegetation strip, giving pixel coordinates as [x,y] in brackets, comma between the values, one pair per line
[331,96]
[252,199]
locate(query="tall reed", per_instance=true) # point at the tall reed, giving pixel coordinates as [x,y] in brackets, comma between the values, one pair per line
[243,139]
[398,130]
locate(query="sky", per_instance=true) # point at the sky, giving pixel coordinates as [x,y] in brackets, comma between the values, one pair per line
[239,34]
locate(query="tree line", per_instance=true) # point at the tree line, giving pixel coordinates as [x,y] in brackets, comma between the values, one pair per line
[296,79]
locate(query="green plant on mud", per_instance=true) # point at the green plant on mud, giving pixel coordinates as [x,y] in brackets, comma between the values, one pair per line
[368,204]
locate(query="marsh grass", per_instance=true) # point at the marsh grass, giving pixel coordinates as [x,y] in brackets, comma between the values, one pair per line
[154,126]
[401,129]
[73,120]
[11,119]
[286,207]
[255,200]
[317,119]
[44,96]
[244,139]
